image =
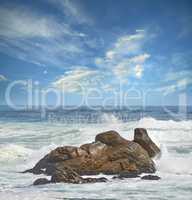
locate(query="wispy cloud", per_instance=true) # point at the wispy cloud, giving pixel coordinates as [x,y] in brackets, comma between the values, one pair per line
[2,78]
[126,45]
[22,22]
[73,10]
[77,80]
[138,70]
[176,76]
[176,81]
[126,57]
[37,38]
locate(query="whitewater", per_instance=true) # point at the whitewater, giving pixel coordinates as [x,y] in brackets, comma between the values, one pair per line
[23,143]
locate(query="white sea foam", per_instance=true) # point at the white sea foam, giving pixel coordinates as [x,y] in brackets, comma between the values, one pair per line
[109,119]
[151,123]
[10,152]
[174,164]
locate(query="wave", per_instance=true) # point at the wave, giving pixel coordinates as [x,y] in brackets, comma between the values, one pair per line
[23,157]
[152,123]
[109,118]
[11,152]
[168,133]
[174,163]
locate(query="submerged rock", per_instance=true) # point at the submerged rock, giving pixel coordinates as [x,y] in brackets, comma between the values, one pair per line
[95,180]
[150,177]
[127,175]
[109,154]
[41,181]
[141,137]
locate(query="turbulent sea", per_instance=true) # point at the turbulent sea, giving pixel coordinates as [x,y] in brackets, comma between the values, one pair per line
[26,136]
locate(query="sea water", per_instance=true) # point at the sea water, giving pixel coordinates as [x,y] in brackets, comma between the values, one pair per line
[25,138]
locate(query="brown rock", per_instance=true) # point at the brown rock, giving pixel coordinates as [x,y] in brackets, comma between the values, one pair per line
[65,175]
[111,138]
[141,137]
[96,149]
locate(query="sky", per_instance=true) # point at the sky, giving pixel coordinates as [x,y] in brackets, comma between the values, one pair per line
[128,52]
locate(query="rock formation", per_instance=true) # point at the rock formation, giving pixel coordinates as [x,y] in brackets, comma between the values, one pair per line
[141,137]
[108,154]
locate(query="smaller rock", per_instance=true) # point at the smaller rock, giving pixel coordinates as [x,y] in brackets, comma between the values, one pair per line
[150,177]
[41,181]
[66,175]
[141,137]
[95,180]
[127,175]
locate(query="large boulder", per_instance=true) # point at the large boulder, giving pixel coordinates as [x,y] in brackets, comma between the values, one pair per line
[109,154]
[141,137]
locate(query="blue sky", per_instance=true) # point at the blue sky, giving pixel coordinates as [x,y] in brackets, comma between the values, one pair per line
[141,48]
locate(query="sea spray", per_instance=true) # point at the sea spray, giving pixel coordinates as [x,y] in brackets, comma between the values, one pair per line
[174,163]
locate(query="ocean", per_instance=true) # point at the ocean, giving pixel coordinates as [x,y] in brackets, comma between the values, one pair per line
[27,135]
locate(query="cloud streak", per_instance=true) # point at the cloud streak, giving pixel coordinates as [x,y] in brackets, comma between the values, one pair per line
[73,11]
[19,22]
[176,81]
[2,78]
[36,38]
[77,80]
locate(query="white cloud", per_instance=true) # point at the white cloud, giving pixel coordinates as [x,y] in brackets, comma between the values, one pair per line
[22,22]
[77,80]
[126,45]
[122,70]
[140,58]
[126,57]
[110,54]
[138,70]
[2,78]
